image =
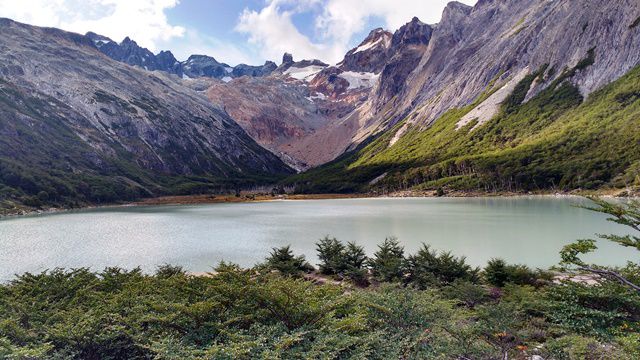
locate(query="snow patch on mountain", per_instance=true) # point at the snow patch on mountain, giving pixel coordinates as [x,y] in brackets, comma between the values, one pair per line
[304,73]
[359,80]
[367,46]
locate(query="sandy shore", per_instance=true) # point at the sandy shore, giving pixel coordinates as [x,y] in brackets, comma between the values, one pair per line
[215,199]
[248,198]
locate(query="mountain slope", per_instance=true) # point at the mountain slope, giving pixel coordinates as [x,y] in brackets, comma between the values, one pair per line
[554,141]
[491,80]
[78,127]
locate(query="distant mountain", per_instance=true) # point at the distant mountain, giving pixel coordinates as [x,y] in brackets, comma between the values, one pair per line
[371,55]
[77,127]
[128,51]
[508,95]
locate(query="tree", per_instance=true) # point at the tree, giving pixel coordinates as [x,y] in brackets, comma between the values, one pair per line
[331,255]
[354,256]
[627,214]
[354,264]
[427,268]
[496,272]
[388,263]
[283,260]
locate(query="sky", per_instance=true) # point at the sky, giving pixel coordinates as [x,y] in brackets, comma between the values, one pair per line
[232,31]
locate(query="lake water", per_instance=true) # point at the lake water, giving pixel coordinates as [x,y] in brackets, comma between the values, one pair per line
[528,230]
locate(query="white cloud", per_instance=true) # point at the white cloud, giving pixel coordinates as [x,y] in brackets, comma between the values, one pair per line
[142,20]
[272,30]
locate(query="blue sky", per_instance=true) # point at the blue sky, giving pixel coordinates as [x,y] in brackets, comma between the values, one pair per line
[233,31]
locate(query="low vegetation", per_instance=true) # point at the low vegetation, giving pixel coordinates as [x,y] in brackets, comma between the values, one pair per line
[428,305]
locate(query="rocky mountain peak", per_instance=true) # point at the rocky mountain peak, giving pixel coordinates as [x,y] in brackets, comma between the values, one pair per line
[301,70]
[408,45]
[370,55]
[414,32]
[454,15]
[128,51]
[287,58]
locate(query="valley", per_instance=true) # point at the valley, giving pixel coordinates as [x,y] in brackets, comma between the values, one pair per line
[492,99]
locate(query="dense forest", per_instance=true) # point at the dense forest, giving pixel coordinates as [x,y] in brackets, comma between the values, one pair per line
[389,305]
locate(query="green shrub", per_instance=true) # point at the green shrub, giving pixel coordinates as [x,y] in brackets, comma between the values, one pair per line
[575,347]
[166,271]
[348,262]
[355,261]
[599,311]
[427,268]
[332,256]
[388,263]
[466,292]
[498,273]
[285,262]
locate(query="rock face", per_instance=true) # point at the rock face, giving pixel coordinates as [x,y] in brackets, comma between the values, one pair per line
[128,51]
[430,69]
[309,112]
[370,55]
[495,41]
[407,47]
[277,114]
[73,120]
[421,71]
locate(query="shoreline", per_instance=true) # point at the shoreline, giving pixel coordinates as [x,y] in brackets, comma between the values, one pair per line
[204,199]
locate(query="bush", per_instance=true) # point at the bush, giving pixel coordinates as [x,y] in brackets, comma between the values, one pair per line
[355,261]
[467,293]
[578,347]
[331,255]
[499,273]
[283,261]
[347,261]
[495,273]
[428,268]
[388,263]
[599,311]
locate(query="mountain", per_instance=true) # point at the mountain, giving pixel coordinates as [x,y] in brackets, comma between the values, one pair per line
[508,95]
[298,110]
[77,127]
[128,51]
[370,55]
